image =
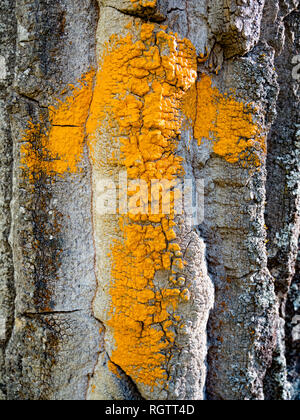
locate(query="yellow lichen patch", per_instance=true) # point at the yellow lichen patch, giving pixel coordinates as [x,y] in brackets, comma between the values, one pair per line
[229,124]
[147,31]
[114,369]
[58,149]
[144,3]
[137,103]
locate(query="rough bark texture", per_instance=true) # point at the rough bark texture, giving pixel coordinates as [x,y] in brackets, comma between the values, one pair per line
[232,331]
[51,341]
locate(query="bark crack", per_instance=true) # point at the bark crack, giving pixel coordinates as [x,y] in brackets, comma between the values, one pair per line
[147,17]
[33,314]
[131,385]
[35,101]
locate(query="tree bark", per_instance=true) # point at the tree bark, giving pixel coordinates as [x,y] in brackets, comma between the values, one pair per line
[120,305]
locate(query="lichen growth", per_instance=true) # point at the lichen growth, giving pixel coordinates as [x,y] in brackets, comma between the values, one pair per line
[58,150]
[144,87]
[144,3]
[229,124]
[138,98]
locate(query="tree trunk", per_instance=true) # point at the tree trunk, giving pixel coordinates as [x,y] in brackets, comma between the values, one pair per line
[114,115]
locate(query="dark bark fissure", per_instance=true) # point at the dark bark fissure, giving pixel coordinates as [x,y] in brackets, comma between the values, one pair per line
[34,314]
[131,391]
[292,340]
[146,15]
[282,210]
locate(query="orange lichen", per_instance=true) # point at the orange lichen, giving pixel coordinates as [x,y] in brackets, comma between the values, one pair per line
[229,124]
[137,104]
[144,3]
[114,369]
[202,58]
[59,149]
